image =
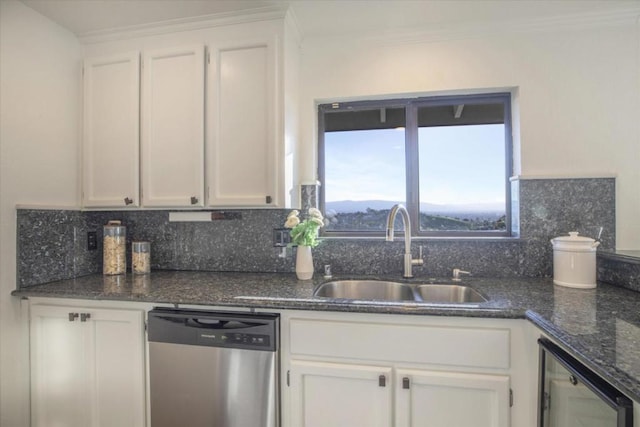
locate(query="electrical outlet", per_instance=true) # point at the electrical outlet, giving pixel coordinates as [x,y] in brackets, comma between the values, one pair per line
[92,241]
[281,237]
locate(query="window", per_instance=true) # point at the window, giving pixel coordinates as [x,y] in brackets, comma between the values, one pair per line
[447,159]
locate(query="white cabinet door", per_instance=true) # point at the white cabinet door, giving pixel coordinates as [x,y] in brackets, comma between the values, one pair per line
[111,131]
[242,152]
[445,399]
[87,372]
[58,369]
[340,395]
[173,127]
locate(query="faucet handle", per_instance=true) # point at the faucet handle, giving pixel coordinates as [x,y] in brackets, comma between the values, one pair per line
[327,271]
[419,260]
[456,274]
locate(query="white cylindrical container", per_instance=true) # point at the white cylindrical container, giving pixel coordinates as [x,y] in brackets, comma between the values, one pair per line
[574,261]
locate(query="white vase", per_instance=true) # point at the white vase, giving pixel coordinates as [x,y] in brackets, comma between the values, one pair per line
[304,263]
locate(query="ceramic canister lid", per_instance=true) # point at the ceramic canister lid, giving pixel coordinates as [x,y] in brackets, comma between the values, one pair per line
[574,242]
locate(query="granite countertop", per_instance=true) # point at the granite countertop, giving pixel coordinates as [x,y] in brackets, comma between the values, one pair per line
[600,327]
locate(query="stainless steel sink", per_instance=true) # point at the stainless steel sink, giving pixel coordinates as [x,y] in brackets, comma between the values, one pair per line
[380,290]
[366,290]
[449,294]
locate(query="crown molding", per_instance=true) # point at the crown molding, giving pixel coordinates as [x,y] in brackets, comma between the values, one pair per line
[629,16]
[185,24]
[435,33]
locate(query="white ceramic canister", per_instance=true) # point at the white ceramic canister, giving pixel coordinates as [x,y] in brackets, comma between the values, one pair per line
[574,261]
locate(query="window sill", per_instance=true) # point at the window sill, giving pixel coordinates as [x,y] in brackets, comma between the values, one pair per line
[500,239]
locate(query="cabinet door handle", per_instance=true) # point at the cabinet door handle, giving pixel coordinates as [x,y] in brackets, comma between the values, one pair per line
[382,381]
[194,200]
[128,201]
[268,200]
[73,316]
[84,316]
[405,383]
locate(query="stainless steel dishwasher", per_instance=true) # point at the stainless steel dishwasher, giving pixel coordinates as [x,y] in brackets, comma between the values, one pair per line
[213,369]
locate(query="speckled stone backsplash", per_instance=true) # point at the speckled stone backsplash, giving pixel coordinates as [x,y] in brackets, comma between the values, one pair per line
[553,207]
[52,244]
[621,268]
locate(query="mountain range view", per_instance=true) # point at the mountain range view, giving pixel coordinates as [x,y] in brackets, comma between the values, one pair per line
[350,206]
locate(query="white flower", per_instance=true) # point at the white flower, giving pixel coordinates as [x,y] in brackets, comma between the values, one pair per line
[293,213]
[292,221]
[315,213]
[316,220]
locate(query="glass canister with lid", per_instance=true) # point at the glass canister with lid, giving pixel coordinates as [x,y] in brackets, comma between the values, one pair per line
[114,258]
[140,257]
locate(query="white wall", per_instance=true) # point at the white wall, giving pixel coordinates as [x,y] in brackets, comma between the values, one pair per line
[578,94]
[39,134]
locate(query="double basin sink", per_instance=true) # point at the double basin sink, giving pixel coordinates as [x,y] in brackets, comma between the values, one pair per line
[380,290]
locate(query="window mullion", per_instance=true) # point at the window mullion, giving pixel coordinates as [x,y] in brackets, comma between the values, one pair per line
[412,162]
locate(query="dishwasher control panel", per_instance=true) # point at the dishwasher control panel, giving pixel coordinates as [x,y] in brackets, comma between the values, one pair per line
[227,338]
[247,331]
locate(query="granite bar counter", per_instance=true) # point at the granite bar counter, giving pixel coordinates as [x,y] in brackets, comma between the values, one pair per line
[600,327]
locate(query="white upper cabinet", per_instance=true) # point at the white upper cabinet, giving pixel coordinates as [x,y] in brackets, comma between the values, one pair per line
[171,130]
[243,112]
[173,127]
[111,131]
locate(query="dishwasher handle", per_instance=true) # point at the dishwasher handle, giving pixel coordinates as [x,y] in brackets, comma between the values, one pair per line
[209,323]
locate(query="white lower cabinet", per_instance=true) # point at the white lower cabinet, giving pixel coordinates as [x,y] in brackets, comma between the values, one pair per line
[440,399]
[345,370]
[87,367]
[340,395]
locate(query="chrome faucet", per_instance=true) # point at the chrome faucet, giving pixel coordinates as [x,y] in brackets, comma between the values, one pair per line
[409,262]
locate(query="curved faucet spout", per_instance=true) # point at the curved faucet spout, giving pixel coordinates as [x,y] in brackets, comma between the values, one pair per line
[391,218]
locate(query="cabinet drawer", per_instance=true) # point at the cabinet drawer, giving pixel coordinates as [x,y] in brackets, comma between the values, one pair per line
[439,345]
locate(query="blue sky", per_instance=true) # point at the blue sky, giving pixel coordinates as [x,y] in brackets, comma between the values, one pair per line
[369,165]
